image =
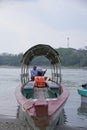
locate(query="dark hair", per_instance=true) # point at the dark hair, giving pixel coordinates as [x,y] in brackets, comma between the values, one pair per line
[39,73]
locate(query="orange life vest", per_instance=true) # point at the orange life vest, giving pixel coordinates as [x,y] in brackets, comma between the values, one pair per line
[39,81]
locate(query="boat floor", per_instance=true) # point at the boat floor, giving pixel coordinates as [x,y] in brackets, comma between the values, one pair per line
[51,91]
[40,93]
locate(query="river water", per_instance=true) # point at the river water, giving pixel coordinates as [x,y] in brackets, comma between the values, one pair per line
[71,78]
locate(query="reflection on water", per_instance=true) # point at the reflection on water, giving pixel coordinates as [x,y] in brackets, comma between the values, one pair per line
[9,80]
[82,110]
[73,113]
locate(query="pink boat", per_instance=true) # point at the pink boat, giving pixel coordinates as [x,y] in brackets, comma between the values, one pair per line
[42,99]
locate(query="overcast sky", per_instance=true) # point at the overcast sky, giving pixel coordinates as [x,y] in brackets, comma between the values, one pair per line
[24,23]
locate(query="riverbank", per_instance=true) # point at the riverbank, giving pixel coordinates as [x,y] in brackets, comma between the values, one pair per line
[16,124]
[8,66]
[13,124]
[65,127]
[48,67]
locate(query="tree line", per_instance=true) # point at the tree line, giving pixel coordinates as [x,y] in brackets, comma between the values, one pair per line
[73,57]
[69,57]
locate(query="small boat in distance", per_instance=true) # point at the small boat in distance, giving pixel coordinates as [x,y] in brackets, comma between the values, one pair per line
[83,93]
[84,85]
[42,99]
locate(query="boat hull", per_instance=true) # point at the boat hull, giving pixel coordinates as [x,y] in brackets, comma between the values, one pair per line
[83,93]
[42,114]
[46,123]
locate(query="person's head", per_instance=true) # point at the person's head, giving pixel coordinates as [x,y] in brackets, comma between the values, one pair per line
[34,67]
[40,71]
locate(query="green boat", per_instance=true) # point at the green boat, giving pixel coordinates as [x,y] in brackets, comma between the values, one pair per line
[83,93]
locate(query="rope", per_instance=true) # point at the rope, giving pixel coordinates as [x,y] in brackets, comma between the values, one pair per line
[28,107]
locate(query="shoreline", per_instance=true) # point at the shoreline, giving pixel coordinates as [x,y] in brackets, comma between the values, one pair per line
[7,66]
[62,67]
[12,124]
[17,124]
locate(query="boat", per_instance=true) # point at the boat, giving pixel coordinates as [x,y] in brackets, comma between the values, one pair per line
[42,99]
[83,93]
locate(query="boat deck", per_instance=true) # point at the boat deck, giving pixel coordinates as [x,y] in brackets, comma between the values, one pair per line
[29,91]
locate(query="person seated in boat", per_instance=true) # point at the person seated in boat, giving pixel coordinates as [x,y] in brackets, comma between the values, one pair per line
[41,72]
[84,85]
[34,72]
[37,72]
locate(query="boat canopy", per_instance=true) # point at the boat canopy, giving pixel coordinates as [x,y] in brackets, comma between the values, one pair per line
[41,50]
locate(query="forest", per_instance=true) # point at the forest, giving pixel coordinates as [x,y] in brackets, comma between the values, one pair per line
[70,57]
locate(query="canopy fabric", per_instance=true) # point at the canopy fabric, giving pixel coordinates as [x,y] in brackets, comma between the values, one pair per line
[41,50]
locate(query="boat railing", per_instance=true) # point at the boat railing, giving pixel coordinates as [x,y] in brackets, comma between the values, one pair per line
[24,78]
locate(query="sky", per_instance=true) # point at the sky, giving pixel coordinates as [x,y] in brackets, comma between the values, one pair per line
[58,23]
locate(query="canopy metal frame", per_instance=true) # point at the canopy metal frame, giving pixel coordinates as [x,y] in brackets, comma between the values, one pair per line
[41,50]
